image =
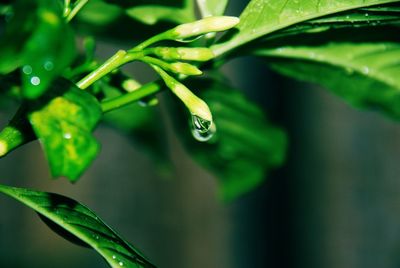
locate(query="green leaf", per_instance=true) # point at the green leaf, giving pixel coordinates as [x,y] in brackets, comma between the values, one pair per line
[63,121]
[245,147]
[364,17]
[364,74]
[153,13]
[262,17]
[212,7]
[99,13]
[80,222]
[32,41]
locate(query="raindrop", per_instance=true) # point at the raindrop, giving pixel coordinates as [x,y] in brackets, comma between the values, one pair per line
[27,69]
[48,65]
[67,136]
[121,263]
[35,80]
[114,257]
[366,14]
[202,130]
[365,70]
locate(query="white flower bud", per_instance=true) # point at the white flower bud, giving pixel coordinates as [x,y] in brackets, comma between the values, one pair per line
[203,26]
[184,53]
[185,68]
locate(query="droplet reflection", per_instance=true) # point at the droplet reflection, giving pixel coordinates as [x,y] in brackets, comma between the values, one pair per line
[202,130]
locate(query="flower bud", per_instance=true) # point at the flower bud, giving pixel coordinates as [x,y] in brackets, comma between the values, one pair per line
[185,68]
[196,106]
[184,53]
[203,26]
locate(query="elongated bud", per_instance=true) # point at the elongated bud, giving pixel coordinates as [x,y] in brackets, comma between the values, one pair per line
[185,68]
[203,26]
[176,67]
[196,106]
[184,53]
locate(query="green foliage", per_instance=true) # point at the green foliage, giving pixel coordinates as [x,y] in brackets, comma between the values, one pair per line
[245,145]
[351,47]
[365,74]
[80,224]
[263,17]
[32,41]
[63,122]
[153,13]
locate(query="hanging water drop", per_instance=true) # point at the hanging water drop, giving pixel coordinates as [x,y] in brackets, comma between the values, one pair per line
[121,263]
[202,130]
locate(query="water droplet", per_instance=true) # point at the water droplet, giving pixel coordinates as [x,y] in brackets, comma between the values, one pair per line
[48,65]
[202,130]
[121,263]
[366,14]
[27,69]
[114,257]
[347,17]
[365,70]
[67,136]
[35,80]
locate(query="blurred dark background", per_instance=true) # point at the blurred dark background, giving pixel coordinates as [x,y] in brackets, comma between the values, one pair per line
[334,204]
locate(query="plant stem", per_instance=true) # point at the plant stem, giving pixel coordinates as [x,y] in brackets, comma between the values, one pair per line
[78,6]
[157,38]
[117,60]
[145,90]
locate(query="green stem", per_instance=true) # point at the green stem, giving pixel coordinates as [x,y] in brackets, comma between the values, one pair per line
[157,38]
[78,6]
[67,9]
[145,90]
[119,59]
